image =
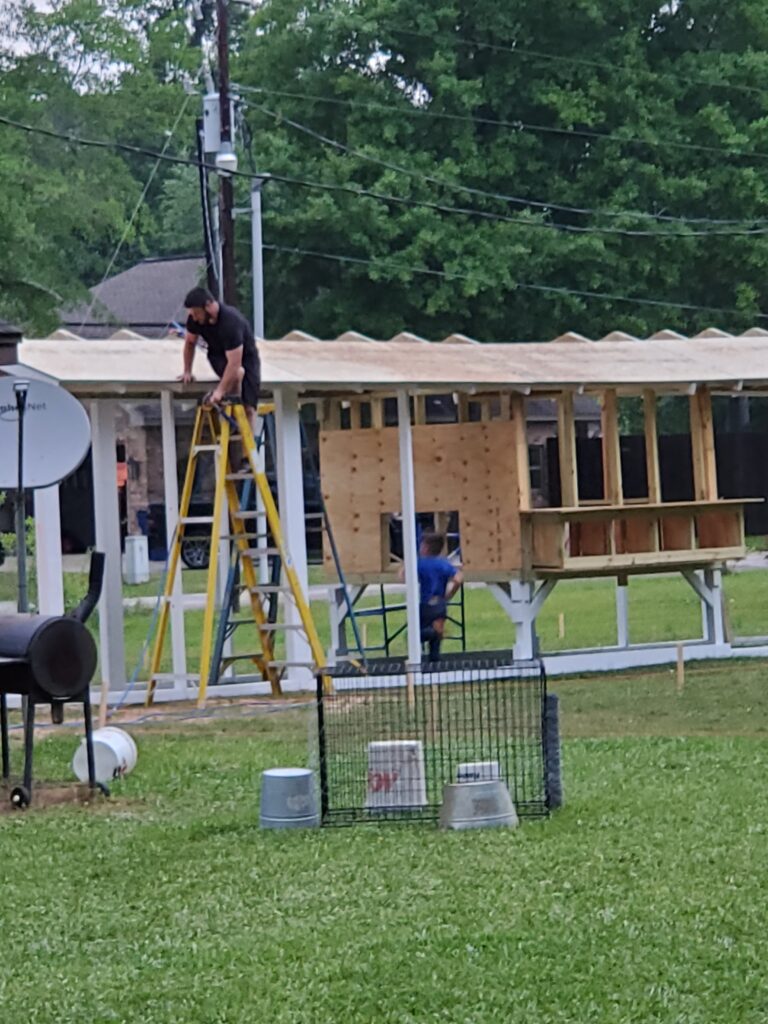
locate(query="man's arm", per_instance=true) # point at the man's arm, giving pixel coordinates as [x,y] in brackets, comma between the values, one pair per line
[190,347]
[233,373]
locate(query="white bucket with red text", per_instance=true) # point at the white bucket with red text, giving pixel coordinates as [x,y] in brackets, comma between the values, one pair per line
[114,755]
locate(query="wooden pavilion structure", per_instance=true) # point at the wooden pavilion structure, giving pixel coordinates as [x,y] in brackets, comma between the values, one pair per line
[476,467]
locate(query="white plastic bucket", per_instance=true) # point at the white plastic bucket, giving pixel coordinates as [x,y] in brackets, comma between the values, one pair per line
[114,755]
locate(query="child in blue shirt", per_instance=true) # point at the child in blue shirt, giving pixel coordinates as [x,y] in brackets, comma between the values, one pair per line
[439,580]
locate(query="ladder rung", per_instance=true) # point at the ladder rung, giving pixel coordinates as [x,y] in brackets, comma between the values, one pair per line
[243,536]
[248,655]
[196,521]
[248,677]
[270,588]
[244,475]
[247,514]
[314,515]
[257,552]
[291,664]
[173,676]
[271,627]
[204,448]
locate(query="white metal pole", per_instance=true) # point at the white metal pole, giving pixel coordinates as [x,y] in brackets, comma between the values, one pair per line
[48,558]
[171,486]
[622,614]
[290,485]
[107,515]
[257,261]
[408,509]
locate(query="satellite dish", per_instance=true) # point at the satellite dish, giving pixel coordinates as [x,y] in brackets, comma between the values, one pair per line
[57,434]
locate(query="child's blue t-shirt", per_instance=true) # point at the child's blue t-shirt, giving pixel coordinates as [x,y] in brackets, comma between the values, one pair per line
[434,576]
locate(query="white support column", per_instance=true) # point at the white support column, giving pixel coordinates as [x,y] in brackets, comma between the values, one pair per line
[408,510]
[522,602]
[171,484]
[107,515]
[707,583]
[622,613]
[48,560]
[290,486]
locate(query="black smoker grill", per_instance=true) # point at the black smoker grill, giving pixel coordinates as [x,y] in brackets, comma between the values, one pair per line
[48,659]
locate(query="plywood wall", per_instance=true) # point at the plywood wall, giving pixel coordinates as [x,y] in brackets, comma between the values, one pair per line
[463,467]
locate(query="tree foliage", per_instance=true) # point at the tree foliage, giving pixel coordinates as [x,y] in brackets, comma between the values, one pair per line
[565,131]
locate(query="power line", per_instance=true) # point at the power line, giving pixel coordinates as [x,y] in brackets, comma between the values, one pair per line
[501,197]
[526,52]
[360,192]
[137,207]
[517,126]
[549,289]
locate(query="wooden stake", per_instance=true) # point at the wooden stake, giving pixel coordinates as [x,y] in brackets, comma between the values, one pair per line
[680,668]
[411,691]
[561,625]
[103,697]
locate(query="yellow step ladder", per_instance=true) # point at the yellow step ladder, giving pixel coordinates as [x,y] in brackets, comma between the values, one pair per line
[217,430]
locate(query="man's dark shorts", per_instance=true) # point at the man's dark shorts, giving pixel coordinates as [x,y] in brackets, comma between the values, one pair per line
[251,388]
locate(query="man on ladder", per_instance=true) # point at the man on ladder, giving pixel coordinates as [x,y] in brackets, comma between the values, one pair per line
[232,350]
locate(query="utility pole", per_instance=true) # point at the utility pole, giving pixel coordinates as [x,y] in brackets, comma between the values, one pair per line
[226,192]
[257,267]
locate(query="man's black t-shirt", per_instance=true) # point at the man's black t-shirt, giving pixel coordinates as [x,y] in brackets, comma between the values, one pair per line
[230,331]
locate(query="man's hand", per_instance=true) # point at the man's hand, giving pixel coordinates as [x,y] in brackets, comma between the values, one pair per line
[186,377]
[213,397]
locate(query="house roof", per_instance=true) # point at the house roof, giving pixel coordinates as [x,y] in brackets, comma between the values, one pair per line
[128,363]
[146,298]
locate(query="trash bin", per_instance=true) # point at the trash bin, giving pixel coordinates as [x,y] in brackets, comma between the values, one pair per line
[136,559]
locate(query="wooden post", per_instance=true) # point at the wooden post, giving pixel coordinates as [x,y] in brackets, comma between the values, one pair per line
[355,419]
[522,467]
[651,447]
[703,446]
[561,625]
[331,414]
[613,490]
[566,440]
[680,668]
[462,409]
[419,409]
[377,413]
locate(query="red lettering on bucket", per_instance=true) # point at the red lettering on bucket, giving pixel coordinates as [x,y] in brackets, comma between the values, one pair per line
[382,782]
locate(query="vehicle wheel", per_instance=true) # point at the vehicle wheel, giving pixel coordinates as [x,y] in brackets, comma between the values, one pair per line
[20,797]
[195,552]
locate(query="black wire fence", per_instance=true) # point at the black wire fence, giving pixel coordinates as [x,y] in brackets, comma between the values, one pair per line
[390,740]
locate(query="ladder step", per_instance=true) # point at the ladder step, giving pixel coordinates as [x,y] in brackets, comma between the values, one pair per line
[244,475]
[291,664]
[247,514]
[173,676]
[197,521]
[270,588]
[314,515]
[204,448]
[242,536]
[257,552]
[271,627]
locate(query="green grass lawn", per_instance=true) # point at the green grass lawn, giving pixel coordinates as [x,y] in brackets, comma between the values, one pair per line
[640,901]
